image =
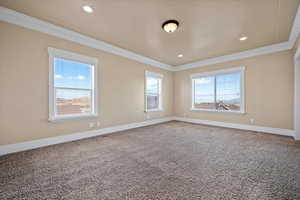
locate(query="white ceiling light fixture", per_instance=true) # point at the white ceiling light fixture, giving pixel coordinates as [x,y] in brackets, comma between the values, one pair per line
[170,26]
[87,9]
[243,38]
[180,56]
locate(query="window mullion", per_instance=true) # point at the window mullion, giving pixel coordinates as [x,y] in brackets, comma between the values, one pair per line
[195,91]
[54,101]
[154,93]
[69,88]
[157,82]
[215,91]
[158,93]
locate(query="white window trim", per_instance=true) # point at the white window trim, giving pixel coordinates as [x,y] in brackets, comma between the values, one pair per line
[57,53]
[240,69]
[158,76]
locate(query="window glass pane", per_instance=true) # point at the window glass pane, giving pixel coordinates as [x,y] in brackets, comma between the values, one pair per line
[228,92]
[152,86]
[152,92]
[204,93]
[152,102]
[73,102]
[71,74]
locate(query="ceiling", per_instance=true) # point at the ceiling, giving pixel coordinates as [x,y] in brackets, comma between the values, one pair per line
[208,28]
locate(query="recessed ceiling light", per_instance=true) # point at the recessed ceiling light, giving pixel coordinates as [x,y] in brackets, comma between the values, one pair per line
[243,38]
[170,26]
[180,56]
[87,9]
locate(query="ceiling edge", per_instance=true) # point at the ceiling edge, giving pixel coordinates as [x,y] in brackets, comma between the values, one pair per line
[250,53]
[17,18]
[295,29]
[237,56]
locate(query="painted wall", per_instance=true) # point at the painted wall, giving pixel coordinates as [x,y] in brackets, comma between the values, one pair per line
[297,91]
[24,68]
[269,86]
[24,87]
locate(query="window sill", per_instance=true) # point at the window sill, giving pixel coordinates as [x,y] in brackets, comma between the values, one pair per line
[154,110]
[218,111]
[72,117]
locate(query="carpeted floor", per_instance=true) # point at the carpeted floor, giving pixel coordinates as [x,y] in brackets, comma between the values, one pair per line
[170,161]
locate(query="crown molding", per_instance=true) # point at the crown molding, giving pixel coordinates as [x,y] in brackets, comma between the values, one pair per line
[237,56]
[250,53]
[14,17]
[295,29]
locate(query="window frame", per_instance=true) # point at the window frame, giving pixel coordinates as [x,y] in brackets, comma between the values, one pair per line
[160,99]
[240,69]
[70,56]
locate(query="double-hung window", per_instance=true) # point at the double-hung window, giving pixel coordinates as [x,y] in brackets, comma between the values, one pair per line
[153,88]
[220,91]
[72,85]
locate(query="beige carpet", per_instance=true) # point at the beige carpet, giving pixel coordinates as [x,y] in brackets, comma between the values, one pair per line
[170,161]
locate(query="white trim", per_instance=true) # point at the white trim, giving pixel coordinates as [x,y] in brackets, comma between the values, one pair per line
[160,82]
[72,56]
[218,72]
[217,111]
[23,146]
[263,129]
[236,56]
[17,18]
[250,53]
[154,110]
[297,94]
[91,61]
[240,69]
[154,74]
[295,29]
[72,117]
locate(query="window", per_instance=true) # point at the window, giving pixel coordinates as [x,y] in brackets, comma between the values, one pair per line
[72,85]
[221,91]
[153,98]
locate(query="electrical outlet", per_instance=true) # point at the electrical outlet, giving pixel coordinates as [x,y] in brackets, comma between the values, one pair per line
[91,124]
[252,120]
[98,123]
[148,116]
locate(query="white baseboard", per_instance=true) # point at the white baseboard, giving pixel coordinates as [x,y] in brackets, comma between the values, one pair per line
[23,146]
[296,136]
[263,129]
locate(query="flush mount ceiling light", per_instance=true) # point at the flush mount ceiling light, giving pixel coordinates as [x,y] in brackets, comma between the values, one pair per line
[180,56]
[170,26]
[243,38]
[87,9]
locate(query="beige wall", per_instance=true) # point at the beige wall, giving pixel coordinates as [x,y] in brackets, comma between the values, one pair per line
[269,86]
[297,44]
[24,87]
